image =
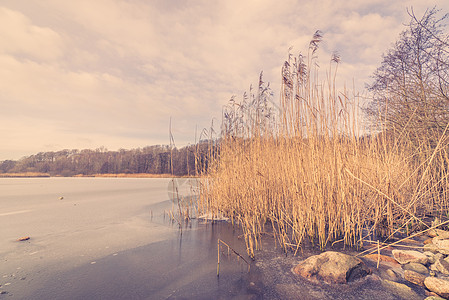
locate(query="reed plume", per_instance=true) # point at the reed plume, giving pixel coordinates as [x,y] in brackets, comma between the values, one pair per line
[304,168]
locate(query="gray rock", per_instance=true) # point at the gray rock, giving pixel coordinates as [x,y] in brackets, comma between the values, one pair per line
[439,232]
[414,277]
[434,298]
[438,256]
[437,285]
[431,256]
[400,290]
[332,267]
[441,266]
[441,244]
[431,248]
[416,267]
[392,275]
[407,256]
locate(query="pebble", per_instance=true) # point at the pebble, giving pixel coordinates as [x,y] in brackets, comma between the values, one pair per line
[391,274]
[437,285]
[434,298]
[414,277]
[431,248]
[438,232]
[408,256]
[381,257]
[441,266]
[441,244]
[416,267]
[431,256]
[400,290]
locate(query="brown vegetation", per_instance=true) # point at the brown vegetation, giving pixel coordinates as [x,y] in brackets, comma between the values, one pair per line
[133,175]
[24,175]
[309,174]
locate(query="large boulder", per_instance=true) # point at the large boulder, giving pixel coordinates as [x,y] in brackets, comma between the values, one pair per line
[332,267]
[410,256]
[438,285]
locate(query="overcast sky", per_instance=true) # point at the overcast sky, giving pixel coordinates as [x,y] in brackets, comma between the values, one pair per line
[84,74]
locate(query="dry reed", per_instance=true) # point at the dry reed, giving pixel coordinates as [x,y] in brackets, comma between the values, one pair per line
[310,174]
[24,175]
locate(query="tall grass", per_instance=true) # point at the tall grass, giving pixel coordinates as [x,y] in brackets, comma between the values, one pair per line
[308,172]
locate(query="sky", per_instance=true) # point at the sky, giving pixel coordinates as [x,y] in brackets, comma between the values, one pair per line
[113,73]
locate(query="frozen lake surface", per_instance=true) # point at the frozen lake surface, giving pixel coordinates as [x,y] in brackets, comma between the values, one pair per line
[107,238]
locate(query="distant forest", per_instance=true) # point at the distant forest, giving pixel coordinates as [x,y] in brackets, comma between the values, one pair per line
[157,159]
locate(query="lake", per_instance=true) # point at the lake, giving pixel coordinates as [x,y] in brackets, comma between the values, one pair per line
[110,238]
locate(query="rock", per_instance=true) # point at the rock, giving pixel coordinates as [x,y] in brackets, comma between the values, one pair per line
[332,267]
[434,298]
[25,238]
[437,285]
[431,256]
[408,256]
[431,248]
[441,244]
[392,274]
[415,267]
[441,266]
[400,290]
[414,277]
[428,241]
[438,232]
[383,258]
[438,256]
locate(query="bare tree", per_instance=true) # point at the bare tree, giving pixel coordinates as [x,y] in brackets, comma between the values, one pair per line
[410,88]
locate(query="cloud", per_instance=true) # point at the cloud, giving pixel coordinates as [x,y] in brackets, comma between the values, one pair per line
[23,39]
[89,73]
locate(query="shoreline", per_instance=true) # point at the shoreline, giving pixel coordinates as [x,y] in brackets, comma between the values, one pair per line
[109,175]
[24,175]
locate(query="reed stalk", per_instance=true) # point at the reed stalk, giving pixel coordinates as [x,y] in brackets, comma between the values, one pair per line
[309,173]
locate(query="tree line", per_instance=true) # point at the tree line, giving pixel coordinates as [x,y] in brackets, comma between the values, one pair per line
[157,159]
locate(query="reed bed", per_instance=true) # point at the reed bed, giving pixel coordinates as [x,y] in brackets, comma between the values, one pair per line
[24,175]
[129,175]
[308,173]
